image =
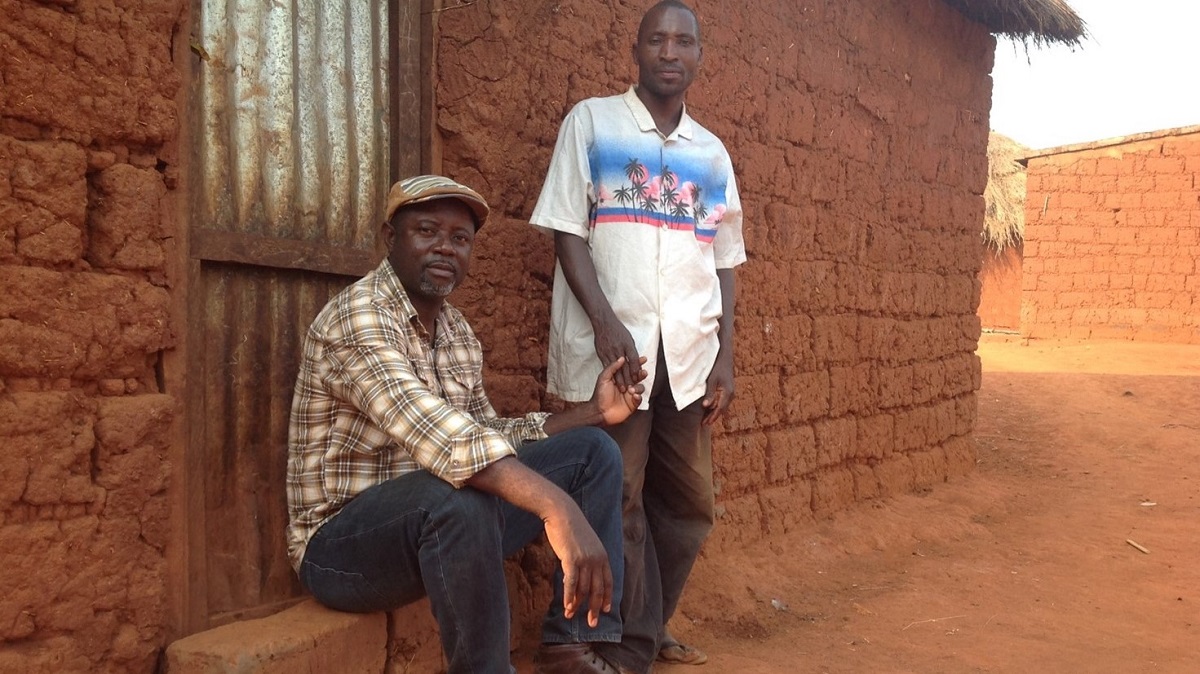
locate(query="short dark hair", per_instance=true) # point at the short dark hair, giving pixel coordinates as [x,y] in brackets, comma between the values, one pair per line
[668,4]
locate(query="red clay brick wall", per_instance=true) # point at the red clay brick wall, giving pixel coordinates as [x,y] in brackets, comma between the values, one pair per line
[1111,242]
[87,122]
[858,129]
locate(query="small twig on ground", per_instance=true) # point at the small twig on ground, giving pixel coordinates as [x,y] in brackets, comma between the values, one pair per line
[933,620]
[1144,551]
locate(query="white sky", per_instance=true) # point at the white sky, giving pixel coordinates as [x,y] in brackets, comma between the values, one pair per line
[1138,71]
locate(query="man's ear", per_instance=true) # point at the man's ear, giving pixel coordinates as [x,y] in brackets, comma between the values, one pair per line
[387,237]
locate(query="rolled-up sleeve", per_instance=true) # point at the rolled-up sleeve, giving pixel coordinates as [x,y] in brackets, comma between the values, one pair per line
[518,430]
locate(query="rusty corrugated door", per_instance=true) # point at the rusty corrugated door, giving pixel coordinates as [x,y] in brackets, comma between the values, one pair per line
[295,135]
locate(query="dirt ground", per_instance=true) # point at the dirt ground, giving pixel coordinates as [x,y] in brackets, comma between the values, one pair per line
[1027,565]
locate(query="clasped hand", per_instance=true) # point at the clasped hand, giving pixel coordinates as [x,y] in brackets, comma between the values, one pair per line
[614,402]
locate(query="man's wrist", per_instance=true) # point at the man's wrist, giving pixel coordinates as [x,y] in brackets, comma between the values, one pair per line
[724,356]
[601,318]
[594,416]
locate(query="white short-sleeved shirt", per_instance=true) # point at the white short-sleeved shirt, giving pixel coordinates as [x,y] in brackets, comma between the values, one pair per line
[660,216]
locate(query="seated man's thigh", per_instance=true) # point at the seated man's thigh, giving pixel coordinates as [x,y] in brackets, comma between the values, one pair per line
[369,556]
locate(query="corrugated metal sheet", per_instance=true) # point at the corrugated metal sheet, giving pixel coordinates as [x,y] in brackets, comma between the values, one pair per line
[293,118]
[254,319]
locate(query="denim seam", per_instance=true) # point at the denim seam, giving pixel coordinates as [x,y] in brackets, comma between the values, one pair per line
[376,527]
[351,574]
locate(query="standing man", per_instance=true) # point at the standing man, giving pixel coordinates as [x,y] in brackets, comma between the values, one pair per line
[647,227]
[402,480]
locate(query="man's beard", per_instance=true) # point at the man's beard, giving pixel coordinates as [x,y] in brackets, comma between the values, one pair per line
[437,289]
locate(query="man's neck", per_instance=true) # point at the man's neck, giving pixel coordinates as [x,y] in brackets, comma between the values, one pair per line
[666,112]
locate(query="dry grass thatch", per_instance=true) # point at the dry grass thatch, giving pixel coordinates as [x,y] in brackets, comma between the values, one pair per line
[1039,22]
[1004,196]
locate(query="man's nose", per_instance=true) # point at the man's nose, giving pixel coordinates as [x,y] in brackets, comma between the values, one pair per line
[442,244]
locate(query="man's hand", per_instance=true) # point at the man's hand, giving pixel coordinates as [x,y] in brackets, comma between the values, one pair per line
[610,404]
[720,390]
[614,342]
[613,403]
[587,577]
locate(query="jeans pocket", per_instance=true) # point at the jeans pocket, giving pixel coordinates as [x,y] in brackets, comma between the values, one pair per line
[342,590]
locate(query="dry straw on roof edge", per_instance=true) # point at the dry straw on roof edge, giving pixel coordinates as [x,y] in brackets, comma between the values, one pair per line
[1038,21]
[1004,195]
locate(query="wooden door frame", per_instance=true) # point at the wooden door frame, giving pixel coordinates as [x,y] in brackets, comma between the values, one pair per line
[184,369]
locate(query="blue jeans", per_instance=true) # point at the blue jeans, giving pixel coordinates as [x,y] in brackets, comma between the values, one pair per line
[416,535]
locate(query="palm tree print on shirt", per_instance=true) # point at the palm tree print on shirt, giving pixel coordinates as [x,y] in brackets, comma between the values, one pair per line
[662,195]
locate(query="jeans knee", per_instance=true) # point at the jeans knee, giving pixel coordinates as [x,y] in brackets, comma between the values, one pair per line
[604,455]
[470,508]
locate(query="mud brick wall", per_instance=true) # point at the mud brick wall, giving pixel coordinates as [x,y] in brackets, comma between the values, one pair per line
[1112,238]
[87,125]
[858,130]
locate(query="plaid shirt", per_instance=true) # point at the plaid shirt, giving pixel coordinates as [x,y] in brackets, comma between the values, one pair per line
[374,401]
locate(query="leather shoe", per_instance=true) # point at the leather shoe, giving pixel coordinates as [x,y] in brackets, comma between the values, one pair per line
[570,659]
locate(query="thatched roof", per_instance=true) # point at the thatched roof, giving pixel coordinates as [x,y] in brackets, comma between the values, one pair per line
[1004,196]
[1037,21]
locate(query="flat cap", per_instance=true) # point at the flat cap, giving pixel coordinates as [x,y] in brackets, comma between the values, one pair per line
[419,189]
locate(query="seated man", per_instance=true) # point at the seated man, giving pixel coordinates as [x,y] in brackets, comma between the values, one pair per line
[402,480]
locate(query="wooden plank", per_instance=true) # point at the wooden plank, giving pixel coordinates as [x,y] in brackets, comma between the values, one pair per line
[430,150]
[264,251]
[408,88]
[191,521]
[181,370]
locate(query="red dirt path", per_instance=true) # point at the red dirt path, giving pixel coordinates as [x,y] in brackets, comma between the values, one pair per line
[1021,567]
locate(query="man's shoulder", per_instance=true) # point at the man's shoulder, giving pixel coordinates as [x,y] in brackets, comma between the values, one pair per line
[363,295]
[600,104]
[701,133]
[366,290]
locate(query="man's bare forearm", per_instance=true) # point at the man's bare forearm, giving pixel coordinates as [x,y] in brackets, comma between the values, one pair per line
[580,272]
[587,414]
[514,482]
[725,278]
